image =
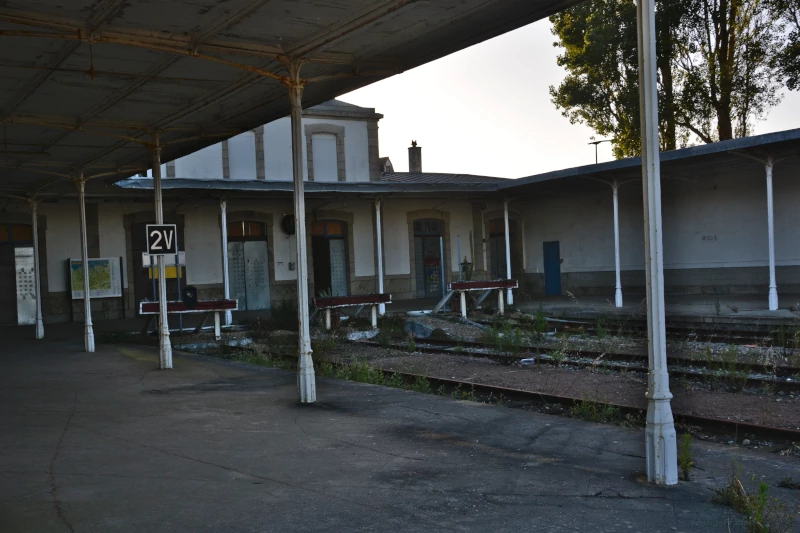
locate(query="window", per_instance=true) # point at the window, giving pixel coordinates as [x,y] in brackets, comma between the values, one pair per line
[327,229]
[428,227]
[16,233]
[247,230]
[326,164]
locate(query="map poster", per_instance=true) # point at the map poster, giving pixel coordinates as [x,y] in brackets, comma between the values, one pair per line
[105,278]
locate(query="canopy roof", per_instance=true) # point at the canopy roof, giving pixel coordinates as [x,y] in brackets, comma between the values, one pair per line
[85,83]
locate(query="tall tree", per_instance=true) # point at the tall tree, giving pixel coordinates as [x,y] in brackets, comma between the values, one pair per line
[715,64]
[788,60]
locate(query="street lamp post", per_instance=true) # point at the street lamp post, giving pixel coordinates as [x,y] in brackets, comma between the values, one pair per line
[595,143]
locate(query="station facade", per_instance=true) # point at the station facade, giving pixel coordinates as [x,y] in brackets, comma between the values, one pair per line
[434,227]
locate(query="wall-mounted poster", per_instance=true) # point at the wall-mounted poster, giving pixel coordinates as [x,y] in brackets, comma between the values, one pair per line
[105,278]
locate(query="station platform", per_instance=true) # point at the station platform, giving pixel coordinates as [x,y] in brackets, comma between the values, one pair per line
[106,442]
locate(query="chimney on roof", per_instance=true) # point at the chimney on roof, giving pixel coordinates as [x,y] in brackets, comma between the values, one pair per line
[414,157]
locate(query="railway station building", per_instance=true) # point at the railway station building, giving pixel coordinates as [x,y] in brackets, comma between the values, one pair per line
[435,227]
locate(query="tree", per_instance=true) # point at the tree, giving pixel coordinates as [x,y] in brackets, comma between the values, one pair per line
[715,64]
[788,60]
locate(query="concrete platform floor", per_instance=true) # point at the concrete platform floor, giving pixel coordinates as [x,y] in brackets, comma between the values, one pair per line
[104,442]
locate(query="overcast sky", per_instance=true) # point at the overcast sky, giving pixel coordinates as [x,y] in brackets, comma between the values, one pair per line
[486,110]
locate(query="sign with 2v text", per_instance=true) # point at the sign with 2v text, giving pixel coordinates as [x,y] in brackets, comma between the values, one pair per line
[162,239]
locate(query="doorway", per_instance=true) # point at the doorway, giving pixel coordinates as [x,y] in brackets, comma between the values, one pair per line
[145,287]
[329,250]
[552,267]
[248,265]
[428,246]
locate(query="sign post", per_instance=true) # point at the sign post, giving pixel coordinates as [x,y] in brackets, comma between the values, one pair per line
[162,239]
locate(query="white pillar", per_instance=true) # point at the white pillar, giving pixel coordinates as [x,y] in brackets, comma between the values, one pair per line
[305,365]
[374,313]
[164,344]
[225,280]
[487,271]
[88,330]
[501,308]
[36,273]
[660,445]
[328,319]
[773,286]
[508,251]
[463,297]
[618,291]
[217,330]
[379,233]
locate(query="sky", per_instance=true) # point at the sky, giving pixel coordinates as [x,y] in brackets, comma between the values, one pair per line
[486,110]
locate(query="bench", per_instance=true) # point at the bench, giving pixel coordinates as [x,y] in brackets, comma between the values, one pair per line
[327,303]
[499,285]
[202,306]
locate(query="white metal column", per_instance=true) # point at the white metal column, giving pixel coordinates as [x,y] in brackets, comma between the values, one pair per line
[618,291]
[36,273]
[164,345]
[379,240]
[773,286]
[88,331]
[510,296]
[305,365]
[661,446]
[223,208]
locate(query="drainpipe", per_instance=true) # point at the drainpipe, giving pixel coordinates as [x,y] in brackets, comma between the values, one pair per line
[225,280]
[509,296]
[660,441]
[37,281]
[618,291]
[379,232]
[164,344]
[773,287]
[305,366]
[88,331]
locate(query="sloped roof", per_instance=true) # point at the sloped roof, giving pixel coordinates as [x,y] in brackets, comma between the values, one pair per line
[435,177]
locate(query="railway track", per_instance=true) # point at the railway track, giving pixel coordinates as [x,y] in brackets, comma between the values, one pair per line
[718,427]
[744,335]
[779,378]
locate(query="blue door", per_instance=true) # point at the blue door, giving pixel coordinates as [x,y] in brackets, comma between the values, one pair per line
[552,268]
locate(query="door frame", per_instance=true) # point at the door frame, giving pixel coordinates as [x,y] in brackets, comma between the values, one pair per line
[344,236]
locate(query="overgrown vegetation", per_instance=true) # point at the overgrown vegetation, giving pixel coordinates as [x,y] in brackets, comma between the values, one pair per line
[685,461]
[595,411]
[763,513]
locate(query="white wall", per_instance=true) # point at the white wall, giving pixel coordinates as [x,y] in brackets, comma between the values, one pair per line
[203,246]
[363,239]
[63,242]
[203,164]
[242,156]
[397,258]
[112,235]
[278,150]
[730,209]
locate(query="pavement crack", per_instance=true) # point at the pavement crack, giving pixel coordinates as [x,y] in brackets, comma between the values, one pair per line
[51,472]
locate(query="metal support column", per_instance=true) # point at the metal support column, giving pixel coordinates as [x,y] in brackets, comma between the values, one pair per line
[773,286]
[618,288]
[306,382]
[510,297]
[223,209]
[164,344]
[660,445]
[36,272]
[88,332]
[379,240]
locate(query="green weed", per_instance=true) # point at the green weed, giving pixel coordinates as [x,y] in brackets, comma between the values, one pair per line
[685,461]
[592,411]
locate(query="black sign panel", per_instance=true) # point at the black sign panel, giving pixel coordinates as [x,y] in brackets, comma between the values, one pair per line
[189,297]
[162,239]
